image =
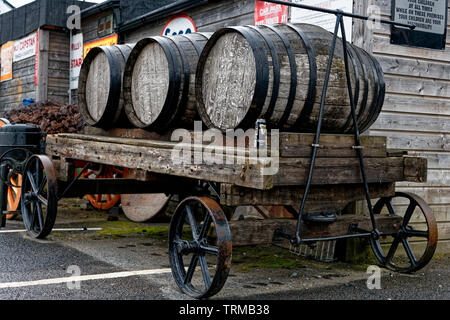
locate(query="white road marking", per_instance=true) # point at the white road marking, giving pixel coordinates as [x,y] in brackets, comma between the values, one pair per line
[54,230]
[114,275]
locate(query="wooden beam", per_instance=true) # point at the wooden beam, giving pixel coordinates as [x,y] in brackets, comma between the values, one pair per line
[255,232]
[329,197]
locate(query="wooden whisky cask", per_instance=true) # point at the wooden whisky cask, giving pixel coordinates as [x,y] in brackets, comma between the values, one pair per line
[159,81]
[277,73]
[100,86]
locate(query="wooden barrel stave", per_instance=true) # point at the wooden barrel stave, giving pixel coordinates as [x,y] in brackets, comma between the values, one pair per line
[295,79]
[99,89]
[158,81]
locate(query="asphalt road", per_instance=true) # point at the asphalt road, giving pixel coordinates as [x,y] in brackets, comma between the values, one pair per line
[27,265]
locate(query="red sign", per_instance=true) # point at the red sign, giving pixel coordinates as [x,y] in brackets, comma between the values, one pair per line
[270,13]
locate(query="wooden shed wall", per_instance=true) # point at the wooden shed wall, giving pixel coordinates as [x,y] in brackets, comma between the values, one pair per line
[58,66]
[21,86]
[207,18]
[416,113]
[89,26]
[53,74]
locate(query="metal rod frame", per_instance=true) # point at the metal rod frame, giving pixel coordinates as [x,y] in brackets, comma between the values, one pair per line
[296,239]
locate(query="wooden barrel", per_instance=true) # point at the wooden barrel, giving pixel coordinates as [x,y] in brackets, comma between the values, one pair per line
[159,81]
[277,73]
[100,86]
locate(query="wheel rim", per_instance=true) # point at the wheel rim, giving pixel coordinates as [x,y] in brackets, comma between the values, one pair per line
[39,197]
[200,236]
[104,202]
[414,245]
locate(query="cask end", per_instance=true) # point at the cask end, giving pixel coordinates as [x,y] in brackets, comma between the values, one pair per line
[159,81]
[100,86]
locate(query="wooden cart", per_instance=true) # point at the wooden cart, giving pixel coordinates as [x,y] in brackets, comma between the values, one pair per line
[201,236]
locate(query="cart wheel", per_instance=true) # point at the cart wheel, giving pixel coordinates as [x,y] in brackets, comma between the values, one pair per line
[199,234]
[39,196]
[418,226]
[104,202]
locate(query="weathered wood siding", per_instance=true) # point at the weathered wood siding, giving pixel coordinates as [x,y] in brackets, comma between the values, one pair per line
[207,18]
[416,113]
[58,66]
[21,86]
[53,82]
[89,26]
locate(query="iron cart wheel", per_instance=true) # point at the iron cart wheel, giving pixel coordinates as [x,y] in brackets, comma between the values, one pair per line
[39,196]
[415,243]
[199,235]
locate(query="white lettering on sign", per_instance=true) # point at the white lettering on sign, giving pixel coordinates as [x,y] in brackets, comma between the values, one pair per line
[25,48]
[181,24]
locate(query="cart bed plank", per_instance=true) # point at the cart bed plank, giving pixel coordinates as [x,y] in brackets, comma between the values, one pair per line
[255,232]
[156,156]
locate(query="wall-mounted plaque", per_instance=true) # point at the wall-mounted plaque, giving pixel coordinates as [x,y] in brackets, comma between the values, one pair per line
[430,19]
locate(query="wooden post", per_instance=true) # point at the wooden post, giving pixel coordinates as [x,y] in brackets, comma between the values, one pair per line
[42,86]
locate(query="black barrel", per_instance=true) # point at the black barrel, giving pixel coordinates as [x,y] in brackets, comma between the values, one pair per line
[100,86]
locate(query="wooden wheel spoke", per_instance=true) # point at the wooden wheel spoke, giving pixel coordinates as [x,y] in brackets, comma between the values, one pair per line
[191,269]
[205,271]
[409,252]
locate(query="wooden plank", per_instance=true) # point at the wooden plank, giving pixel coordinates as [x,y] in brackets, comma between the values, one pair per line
[401,103]
[331,197]
[436,178]
[291,172]
[382,45]
[340,170]
[431,195]
[418,86]
[290,144]
[254,232]
[333,146]
[414,67]
[156,160]
[42,87]
[413,141]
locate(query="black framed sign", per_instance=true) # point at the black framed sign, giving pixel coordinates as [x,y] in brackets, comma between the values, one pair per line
[429,17]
